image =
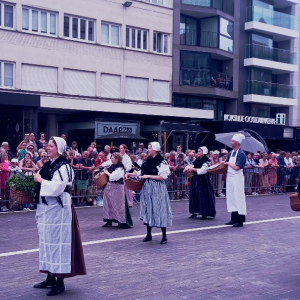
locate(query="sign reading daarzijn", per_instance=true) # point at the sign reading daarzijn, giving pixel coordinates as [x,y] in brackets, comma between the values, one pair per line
[104,128]
[248,119]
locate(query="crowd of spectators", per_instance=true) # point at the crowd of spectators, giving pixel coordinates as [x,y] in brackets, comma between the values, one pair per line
[264,172]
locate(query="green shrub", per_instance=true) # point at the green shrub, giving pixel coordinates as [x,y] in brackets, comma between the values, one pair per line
[20,182]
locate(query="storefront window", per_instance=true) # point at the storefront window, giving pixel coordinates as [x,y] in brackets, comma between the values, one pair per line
[262,111]
[211,105]
[194,102]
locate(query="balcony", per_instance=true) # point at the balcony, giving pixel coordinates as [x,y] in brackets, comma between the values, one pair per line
[261,56]
[226,6]
[207,39]
[281,26]
[270,93]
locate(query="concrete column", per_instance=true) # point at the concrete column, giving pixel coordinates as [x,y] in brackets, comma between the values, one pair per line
[52,125]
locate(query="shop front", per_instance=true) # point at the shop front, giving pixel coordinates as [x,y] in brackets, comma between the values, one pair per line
[18,115]
[275,135]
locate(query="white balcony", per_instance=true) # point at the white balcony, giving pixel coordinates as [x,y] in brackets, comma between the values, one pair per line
[269,100]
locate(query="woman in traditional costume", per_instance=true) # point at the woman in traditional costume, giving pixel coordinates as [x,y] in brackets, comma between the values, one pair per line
[115,206]
[201,198]
[60,246]
[155,206]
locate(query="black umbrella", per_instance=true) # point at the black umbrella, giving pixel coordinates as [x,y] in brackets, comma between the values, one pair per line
[121,136]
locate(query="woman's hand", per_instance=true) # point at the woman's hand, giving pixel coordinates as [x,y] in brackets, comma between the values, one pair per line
[38,178]
[106,172]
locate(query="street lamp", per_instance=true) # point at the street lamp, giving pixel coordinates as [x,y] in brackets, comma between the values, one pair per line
[127,3]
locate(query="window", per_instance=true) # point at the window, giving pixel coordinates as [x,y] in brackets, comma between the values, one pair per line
[39,78]
[79,82]
[136,88]
[39,21]
[6,74]
[110,34]
[111,86]
[6,15]
[79,28]
[226,35]
[160,42]
[136,38]
[161,91]
[280,119]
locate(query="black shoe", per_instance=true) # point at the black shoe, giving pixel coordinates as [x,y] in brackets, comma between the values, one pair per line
[55,290]
[238,224]
[164,240]
[203,218]
[148,238]
[193,216]
[230,223]
[44,284]
[107,224]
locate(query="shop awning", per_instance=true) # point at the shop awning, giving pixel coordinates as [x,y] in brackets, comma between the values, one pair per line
[183,127]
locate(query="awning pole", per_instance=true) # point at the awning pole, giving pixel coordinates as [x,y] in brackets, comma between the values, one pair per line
[165,142]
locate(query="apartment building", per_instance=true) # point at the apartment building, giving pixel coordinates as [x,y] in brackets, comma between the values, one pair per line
[87,68]
[239,58]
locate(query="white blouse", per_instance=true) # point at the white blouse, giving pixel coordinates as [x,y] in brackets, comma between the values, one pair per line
[163,170]
[56,186]
[117,174]
[126,161]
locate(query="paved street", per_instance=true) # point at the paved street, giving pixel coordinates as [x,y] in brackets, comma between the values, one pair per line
[202,259]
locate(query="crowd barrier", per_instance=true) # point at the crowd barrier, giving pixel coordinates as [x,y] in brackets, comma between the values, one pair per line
[257,181]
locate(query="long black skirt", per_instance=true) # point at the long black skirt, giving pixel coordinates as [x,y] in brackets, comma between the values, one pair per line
[202,198]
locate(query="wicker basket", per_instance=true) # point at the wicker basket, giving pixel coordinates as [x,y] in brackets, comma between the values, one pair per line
[134,185]
[101,179]
[218,169]
[20,196]
[295,202]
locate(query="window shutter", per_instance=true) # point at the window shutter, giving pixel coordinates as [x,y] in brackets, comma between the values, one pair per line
[136,88]
[79,83]
[111,86]
[39,78]
[161,91]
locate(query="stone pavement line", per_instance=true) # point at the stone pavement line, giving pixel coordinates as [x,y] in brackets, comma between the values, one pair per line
[154,234]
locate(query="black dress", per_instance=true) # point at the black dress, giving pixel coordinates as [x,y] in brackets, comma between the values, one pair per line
[202,198]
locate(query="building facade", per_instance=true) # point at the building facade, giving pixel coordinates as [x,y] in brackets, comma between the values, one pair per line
[240,58]
[77,67]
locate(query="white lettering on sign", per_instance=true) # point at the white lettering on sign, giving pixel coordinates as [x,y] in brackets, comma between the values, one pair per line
[105,128]
[248,119]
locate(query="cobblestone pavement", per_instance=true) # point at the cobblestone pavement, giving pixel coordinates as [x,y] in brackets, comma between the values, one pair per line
[202,259]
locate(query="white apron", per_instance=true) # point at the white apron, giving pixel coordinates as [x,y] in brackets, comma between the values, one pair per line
[235,188]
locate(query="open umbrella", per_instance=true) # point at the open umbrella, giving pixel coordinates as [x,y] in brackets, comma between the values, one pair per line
[121,136]
[249,144]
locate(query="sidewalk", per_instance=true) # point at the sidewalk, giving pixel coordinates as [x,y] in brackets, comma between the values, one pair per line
[202,259]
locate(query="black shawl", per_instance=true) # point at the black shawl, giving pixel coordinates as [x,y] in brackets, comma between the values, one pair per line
[198,163]
[149,167]
[113,168]
[47,172]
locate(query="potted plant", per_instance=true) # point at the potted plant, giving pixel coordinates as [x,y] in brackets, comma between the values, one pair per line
[22,188]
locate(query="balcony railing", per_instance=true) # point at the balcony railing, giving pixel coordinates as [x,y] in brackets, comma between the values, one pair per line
[268,16]
[269,53]
[207,39]
[270,89]
[204,77]
[224,5]
[166,3]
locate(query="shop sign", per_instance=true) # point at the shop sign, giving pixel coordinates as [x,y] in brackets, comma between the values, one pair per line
[105,128]
[248,119]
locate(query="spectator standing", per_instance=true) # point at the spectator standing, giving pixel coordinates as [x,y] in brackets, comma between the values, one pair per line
[5,146]
[180,176]
[41,141]
[107,149]
[249,168]
[201,198]
[139,152]
[222,177]
[101,158]
[22,151]
[256,175]
[32,141]
[179,151]
[4,173]
[264,164]
[74,147]
[283,172]
[190,158]
[82,181]
[28,156]
[141,145]
[43,160]
[26,140]
[143,157]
